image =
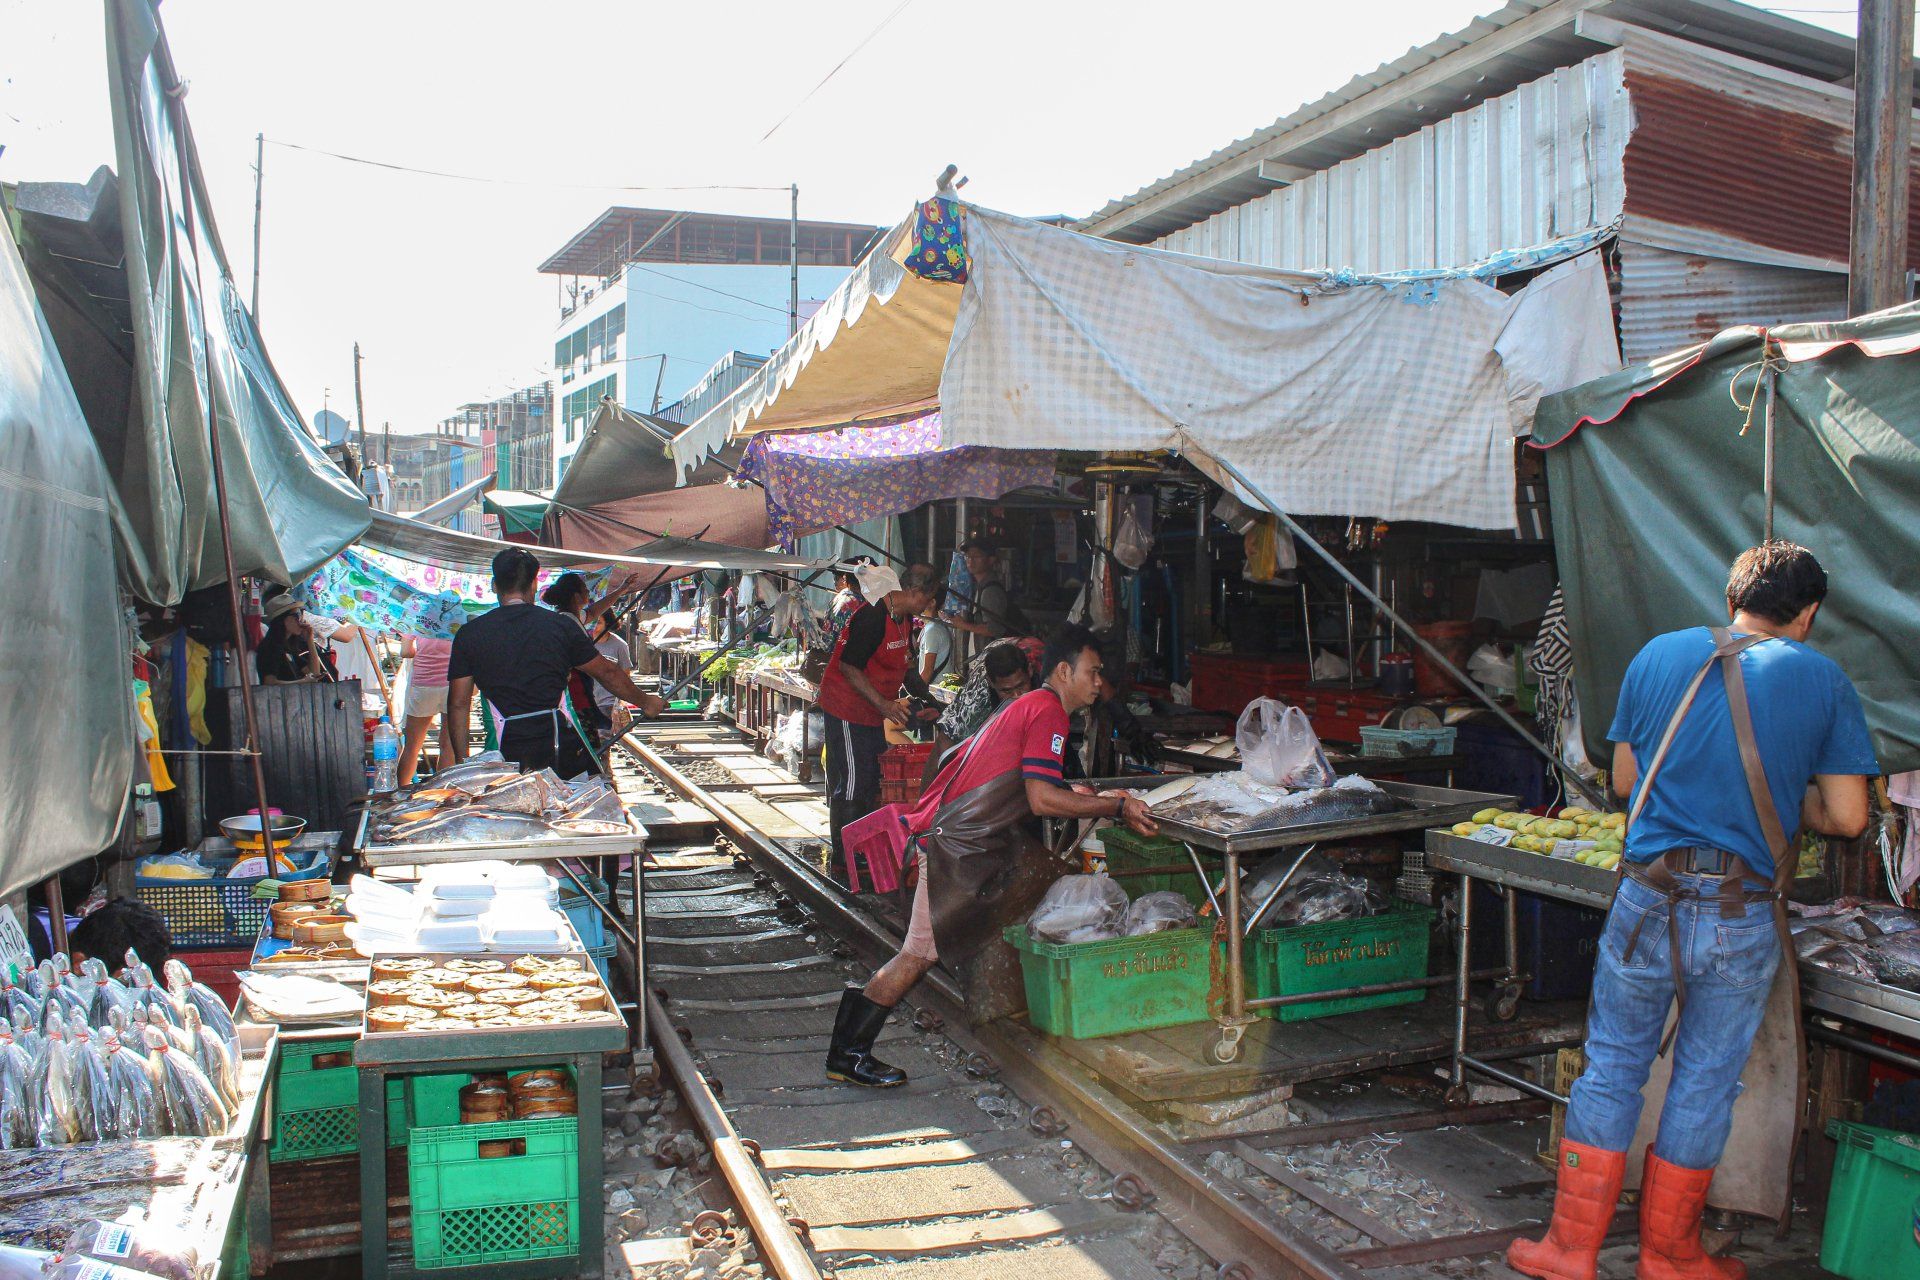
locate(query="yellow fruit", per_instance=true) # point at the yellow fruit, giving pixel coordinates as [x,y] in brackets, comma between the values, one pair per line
[1486,816]
[1564,829]
[1465,828]
[1508,821]
[1611,861]
[1573,813]
[1614,821]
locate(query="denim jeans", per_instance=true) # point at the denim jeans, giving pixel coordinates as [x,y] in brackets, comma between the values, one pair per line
[1729,967]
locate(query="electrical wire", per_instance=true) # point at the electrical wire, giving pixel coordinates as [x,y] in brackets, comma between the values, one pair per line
[634,266]
[864,42]
[504,182]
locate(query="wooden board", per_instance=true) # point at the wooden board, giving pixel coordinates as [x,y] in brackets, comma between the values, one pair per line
[758,813]
[811,814]
[1169,1065]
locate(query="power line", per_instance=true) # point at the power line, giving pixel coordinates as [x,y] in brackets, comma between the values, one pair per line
[504,182]
[634,266]
[865,40]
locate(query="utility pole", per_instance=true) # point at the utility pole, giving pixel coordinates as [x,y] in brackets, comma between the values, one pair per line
[1882,131]
[359,407]
[659,378]
[259,176]
[793,264]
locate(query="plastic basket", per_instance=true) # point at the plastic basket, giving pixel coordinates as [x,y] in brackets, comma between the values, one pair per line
[579,910]
[433,1101]
[602,955]
[316,1103]
[905,761]
[1390,947]
[221,912]
[1084,989]
[470,1210]
[900,790]
[1870,1232]
[1376,741]
[1128,851]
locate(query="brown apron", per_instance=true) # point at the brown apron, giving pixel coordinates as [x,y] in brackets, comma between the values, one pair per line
[1755,1174]
[977,850]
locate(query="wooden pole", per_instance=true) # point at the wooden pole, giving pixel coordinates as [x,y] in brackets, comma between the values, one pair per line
[379,673]
[1882,132]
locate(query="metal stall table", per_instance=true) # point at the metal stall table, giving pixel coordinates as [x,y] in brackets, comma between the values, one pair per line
[1430,806]
[763,697]
[1869,1004]
[633,930]
[379,1055]
[1508,870]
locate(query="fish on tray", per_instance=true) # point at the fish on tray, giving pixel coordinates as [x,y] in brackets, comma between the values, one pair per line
[472,825]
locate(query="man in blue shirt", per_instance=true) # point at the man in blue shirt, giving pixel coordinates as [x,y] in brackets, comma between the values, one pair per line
[1696,826]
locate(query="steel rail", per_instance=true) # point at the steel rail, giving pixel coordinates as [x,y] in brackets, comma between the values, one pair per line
[1219,1225]
[779,1244]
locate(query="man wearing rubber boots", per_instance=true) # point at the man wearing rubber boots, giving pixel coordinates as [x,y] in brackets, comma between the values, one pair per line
[1727,739]
[968,832]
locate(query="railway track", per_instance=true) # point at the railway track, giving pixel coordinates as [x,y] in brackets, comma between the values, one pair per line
[1001,1156]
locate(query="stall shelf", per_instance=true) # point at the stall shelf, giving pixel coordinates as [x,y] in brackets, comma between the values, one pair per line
[558,852]
[380,1056]
[1429,806]
[209,1189]
[761,698]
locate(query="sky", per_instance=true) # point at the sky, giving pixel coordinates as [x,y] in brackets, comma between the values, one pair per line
[1045,108]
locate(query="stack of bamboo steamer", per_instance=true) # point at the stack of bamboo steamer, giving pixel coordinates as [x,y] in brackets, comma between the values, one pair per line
[544,1094]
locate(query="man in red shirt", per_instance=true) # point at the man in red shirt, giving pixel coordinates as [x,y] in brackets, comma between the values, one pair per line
[967,834]
[860,693]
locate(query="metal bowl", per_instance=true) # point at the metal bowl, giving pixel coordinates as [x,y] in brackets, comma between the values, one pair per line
[244,831]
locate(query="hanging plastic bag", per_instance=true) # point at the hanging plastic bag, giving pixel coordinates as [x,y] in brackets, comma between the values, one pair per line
[1079,909]
[1131,543]
[1279,748]
[1158,912]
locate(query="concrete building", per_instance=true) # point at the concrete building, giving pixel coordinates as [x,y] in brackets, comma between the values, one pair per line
[515,438]
[1705,146]
[657,307]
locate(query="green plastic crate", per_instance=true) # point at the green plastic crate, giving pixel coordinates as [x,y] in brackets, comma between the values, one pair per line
[1871,1232]
[1127,850]
[469,1211]
[434,1101]
[316,1103]
[1390,947]
[1085,989]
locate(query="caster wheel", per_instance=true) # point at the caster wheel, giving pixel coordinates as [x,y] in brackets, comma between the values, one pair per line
[1502,1005]
[1221,1053]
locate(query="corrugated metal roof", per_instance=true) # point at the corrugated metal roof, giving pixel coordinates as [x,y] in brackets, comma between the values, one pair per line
[1522,169]
[1672,300]
[1490,56]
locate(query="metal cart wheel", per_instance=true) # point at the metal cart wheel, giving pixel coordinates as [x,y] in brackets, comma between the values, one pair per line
[1226,1049]
[1503,1003]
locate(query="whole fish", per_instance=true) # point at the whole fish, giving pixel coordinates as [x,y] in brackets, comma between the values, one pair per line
[473,826]
[210,1054]
[213,1011]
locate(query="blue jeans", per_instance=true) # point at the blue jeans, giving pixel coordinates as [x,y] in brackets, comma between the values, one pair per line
[1729,969]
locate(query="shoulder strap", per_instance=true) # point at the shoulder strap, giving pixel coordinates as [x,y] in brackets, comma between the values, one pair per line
[1742,715]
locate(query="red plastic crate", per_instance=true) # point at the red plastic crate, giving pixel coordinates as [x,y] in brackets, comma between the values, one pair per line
[219,970]
[899,790]
[1225,683]
[904,762]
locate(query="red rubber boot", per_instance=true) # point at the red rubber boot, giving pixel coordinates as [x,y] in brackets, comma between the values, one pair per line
[1672,1199]
[1583,1205]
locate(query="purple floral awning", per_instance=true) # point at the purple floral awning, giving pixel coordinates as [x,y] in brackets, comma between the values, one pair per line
[820,479]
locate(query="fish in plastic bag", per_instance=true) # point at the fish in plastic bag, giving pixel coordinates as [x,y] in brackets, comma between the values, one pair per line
[92,1092]
[58,1123]
[193,1106]
[213,1010]
[136,1112]
[1083,908]
[153,1248]
[1318,899]
[26,1034]
[15,1000]
[107,995]
[1158,912]
[146,992]
[1278,747]
[19,1116]
[215,1062]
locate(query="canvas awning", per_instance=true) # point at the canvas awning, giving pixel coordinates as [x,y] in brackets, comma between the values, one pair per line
[519,511]
[473,553]
[197,352]
[1674,437]
[66,758]
[454,503]
[1392,396]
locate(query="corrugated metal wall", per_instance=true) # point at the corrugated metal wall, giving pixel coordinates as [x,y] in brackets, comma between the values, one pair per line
[1673,300]
[1518,170]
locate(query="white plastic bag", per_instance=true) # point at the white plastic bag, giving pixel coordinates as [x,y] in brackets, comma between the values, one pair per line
[1157,913]
[1279,748]
[1131,543]
[1079,909]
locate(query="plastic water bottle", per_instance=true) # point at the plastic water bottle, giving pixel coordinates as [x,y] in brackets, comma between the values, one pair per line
[386,757]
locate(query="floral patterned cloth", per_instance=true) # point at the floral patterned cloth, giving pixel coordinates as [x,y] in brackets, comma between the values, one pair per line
[386,593]
[816,480]
[938,249]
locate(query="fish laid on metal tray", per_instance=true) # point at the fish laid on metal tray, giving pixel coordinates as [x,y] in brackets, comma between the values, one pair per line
[1223,804]
[491,801]
[472,825]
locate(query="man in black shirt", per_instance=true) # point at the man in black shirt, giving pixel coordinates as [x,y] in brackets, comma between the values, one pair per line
[519,656]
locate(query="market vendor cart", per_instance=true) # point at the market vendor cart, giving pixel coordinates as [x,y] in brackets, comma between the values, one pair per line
[1429,806]
[558,852]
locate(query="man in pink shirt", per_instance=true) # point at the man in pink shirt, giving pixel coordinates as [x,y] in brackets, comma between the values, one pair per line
[968,834]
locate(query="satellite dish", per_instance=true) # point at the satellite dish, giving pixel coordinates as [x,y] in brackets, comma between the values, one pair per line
[331,427]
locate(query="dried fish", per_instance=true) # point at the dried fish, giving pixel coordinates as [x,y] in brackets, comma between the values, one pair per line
[213,1010]
[135,1113]
[193,1106]
[210,1054]
[92,1092]
[58,1122]
[526,795]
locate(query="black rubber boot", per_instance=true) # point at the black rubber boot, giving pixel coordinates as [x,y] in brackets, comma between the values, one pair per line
[850,1057]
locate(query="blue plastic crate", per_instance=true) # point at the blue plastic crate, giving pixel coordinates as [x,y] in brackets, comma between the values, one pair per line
[1399,743]
[222,912]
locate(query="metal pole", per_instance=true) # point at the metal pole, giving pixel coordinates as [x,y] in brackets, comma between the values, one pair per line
[793,263]
[1766,371]
[1586,791]
[359,409]
[259,176]
[1882,127]
[220,498]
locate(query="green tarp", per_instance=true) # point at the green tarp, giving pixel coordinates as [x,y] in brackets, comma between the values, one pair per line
[519,511]
[290,507]
[66,756]
[1655,490]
